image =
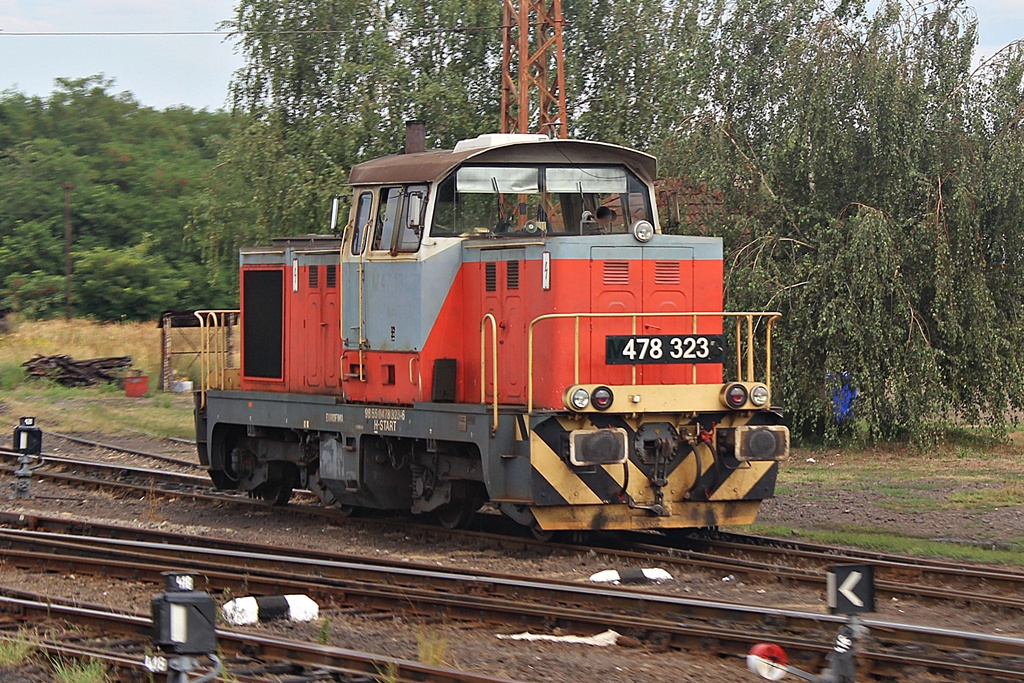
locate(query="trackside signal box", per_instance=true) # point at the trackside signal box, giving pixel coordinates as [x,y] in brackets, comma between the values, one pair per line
[851,588]
[28,438]
[184,619]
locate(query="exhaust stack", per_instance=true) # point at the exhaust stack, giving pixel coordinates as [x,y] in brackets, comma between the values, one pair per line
[415,136]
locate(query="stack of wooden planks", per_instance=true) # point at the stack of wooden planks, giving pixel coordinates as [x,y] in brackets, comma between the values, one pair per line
[70,372]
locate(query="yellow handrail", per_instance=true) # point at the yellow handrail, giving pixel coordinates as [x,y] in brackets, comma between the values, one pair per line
[739,315]
[213,349]
[494,366]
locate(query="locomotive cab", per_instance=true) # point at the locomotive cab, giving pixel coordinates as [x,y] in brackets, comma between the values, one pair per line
[503,322]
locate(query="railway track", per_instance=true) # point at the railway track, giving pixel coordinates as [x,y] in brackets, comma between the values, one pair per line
[160,457]
[753,557]
[766,559]
[84,473]
[771,559]
[736,554]
[426,592]
[125,641]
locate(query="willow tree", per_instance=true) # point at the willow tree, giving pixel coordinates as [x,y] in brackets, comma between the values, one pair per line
[870,178]
[865,179]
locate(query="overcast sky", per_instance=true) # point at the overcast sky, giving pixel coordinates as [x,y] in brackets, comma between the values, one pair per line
[159,70]
[166,70]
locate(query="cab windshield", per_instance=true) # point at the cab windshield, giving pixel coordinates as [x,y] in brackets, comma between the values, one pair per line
[499,201]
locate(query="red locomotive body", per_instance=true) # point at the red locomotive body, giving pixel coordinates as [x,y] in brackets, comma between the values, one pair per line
[502,322]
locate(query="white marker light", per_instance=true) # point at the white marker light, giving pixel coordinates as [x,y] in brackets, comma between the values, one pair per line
[179,624]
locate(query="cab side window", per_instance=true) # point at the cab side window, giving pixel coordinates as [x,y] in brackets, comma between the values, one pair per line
[362,223]
[387,218]
[411,223]
[400,219]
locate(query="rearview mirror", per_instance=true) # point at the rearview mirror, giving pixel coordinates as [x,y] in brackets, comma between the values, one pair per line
[417,204]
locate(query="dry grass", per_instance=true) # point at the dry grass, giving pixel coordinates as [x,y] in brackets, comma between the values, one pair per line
[83,339]
[102,408]
[16,649]
[985,462]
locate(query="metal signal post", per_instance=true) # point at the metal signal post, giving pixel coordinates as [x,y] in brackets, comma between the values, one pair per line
[851,591]
[533,68]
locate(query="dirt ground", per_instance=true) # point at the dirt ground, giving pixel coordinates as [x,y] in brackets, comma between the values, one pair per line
[476,648]
[862,490]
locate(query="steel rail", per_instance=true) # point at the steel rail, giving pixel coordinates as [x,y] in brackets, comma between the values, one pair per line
[891,579]
[904,587]
[513,600]
[127,451]
[108,654]
[339,660]
[743,542]
[117,471]
[894,574]
[948,579]
[118,477]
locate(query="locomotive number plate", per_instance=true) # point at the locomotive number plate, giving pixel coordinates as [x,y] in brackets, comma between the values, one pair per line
[664,348]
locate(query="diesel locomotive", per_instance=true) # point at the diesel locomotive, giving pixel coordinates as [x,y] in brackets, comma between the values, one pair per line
[503,323]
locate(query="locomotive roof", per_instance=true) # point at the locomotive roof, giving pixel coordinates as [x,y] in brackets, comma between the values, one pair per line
[434,165]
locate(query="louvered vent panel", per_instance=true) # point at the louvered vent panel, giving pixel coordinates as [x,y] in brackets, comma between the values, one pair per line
[512,276]
[491,276]
[314,277]
[332,277]
[666,272]
[616,272]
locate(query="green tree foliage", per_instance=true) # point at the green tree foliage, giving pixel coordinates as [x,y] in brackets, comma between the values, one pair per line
[328,84]
[865,176]
[35,294]
[134,172]
[125,284]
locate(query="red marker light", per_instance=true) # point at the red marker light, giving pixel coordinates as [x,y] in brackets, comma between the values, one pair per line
[602,398]
[735,395]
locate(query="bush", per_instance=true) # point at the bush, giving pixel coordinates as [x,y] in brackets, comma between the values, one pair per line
[11,376]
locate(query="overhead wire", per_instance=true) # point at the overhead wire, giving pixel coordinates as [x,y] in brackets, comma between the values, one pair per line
[60,34]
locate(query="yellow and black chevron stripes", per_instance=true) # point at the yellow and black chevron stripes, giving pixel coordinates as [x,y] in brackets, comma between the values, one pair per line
[555,482]
[700,488]
[748,480]
[619,517]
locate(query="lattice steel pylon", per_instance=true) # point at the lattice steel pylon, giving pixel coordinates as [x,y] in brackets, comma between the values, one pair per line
[533,68]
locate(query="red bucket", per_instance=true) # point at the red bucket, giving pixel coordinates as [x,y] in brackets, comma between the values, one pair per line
[136,386]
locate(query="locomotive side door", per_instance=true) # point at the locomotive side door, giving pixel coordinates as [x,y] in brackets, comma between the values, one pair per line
[501,297]
[382,313]
[353,259]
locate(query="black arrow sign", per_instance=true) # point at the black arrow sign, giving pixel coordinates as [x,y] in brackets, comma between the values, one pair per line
[851,588]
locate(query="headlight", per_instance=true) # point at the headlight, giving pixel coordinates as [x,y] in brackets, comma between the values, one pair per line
[759,395]
[643,231]
[735,395]
[603,398]
[579,399]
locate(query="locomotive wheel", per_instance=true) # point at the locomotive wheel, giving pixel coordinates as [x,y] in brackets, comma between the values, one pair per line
[240,464]
[274,492]
[541,534]
[456,515]
[344,510]
[277,490]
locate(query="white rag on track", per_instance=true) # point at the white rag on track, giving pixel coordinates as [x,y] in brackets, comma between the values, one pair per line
[605,639]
